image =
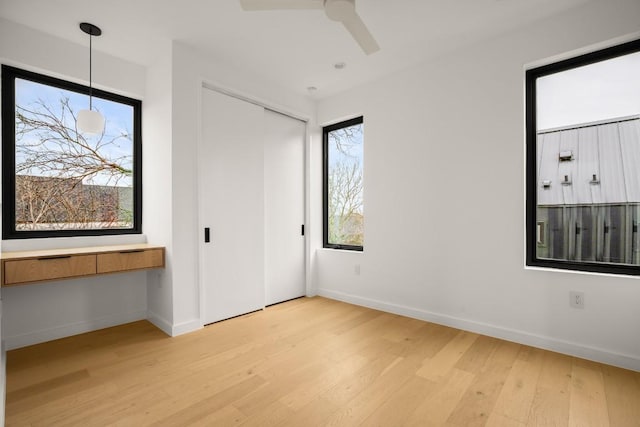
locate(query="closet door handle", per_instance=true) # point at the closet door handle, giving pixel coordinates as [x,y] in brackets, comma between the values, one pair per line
[207,235]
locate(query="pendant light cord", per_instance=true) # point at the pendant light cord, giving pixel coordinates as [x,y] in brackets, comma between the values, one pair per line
[90,71]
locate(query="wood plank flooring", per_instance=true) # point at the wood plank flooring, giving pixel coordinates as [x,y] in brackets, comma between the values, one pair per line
[311,362]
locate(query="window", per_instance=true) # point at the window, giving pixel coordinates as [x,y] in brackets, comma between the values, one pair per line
[343,204]
[57,181]
[583,162]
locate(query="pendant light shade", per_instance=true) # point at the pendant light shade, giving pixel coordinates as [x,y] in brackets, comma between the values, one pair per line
[90,121]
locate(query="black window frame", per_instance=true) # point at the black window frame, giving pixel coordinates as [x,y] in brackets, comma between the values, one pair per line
[325,183]
[9,75]
[531,76]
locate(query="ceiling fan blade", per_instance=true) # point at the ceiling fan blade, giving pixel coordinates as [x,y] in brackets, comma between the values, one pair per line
[280,4]
[361,34]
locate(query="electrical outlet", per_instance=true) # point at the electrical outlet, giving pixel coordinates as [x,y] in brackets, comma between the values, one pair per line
[356,269]
[576,299]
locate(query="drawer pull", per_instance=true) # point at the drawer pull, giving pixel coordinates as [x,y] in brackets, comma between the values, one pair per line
[132,251]
[44,258]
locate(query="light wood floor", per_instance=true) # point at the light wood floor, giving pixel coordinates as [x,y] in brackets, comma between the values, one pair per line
[311,362]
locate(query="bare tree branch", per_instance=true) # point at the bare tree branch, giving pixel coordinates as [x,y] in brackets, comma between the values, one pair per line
[346,222]
[54,164]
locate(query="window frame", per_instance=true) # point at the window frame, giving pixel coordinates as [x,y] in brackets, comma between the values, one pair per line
[9,232]
[325,183]
[531,223]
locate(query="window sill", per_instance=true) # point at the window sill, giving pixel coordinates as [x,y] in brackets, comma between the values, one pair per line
[344,251]
[18,245]
[622,274]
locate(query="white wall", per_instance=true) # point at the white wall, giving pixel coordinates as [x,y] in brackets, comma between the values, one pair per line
[56,57]
[40,312]
[190,69]
[157,191]
[444,199]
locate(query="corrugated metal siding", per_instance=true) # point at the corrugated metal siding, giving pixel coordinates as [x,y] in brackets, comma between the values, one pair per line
[549,147]
[612,180]
[630,143]
[588,165]
[610,151]
[569,169]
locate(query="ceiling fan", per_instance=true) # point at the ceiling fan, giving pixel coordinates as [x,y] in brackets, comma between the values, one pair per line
[337,10]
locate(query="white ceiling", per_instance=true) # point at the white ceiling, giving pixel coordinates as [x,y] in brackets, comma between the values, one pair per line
[294,49]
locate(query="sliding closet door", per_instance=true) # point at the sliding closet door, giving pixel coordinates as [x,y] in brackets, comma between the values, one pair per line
[284,207]
[231,191]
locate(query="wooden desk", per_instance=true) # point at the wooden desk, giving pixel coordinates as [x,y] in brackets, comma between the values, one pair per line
[20,268]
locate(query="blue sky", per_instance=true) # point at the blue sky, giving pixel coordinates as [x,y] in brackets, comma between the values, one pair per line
[356,146]
[118,118]
[352,151]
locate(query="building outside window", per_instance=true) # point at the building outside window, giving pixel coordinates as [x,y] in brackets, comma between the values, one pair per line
[57,180]
[343,185]
[583,162]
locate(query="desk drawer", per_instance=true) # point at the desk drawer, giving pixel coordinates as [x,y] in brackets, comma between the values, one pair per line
[48,268]
[130,260]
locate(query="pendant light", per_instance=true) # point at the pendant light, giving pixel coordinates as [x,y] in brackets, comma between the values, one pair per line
[90,121]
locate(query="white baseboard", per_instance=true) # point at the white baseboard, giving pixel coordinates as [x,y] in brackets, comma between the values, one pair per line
[159,322]
[186,327]
[62,331]
[508,334]
[171,329]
